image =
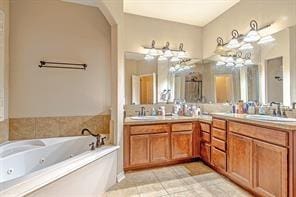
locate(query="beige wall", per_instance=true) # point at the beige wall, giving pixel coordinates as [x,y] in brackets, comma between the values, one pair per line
[55,30]
[282,12]
[140,31]
[4,128]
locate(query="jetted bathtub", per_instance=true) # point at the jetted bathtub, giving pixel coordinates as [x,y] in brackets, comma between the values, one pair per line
[28,165]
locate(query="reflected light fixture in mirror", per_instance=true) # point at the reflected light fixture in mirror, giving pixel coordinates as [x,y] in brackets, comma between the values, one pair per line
[220,63]
[253,34]
[248,61]
[148,57]
[181,53]
[246,46]
[233,43]
[266,39]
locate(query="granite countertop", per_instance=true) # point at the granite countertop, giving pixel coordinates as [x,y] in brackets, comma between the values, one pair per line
[168,119]
[244,119]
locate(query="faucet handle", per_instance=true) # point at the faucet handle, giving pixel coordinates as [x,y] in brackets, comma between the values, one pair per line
[103,140]
[92,146]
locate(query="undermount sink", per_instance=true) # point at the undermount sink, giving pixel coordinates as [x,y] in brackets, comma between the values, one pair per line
[270,118]
[144,118]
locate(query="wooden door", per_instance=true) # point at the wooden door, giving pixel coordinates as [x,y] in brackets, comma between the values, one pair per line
[146,89]
[270,169]
[159,147]
[239,159]
[181,144]
[139,149]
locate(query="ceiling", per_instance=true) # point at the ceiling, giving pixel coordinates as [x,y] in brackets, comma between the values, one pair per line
[193,12]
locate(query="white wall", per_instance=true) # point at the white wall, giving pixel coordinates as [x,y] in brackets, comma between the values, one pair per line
[60,31]
[140,31]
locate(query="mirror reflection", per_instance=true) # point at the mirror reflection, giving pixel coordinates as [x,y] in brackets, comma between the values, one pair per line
[264,76]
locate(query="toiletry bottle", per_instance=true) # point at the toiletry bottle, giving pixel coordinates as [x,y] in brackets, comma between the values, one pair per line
[153,113]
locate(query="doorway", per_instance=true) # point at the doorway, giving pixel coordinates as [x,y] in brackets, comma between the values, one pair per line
[224,88]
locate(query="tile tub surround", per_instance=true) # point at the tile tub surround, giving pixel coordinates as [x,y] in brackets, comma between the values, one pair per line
[191,179]
[4,130]
[130,110]
[44,127]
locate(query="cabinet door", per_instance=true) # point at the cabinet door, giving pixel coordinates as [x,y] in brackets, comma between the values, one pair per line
[218,158]
[205,152]
[239,159]
[139,149]
[270,169]
[159,147]
[181,144]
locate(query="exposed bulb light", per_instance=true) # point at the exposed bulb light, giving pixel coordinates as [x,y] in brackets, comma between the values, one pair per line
[253,34]
[266,39]
[220,63]
[246,46]
[239,65]
[172,69]
[168,53]
[239,60]
[249,62]
[233,43]
[153,52]
[162,58]
[230,64]
[174,59]
[148,57]
[229,60]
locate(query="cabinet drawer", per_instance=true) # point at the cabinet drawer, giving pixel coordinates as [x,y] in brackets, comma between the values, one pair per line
[220,124]
[218,144]
[205,151]
[218,158]
[160,128]
[218,133]
[205,127]
[205,137]
[182,127]
[269,135]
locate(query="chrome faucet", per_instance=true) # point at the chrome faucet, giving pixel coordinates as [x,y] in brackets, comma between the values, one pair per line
[142,112]
[97,136]
[278,111]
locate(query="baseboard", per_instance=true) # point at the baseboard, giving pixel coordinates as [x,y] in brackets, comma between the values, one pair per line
[120,176]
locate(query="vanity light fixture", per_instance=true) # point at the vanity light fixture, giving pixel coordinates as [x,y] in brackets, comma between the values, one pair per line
[167,52]
[233,43]
[181,52]
[248,59]
[239,59]
[220,46]
[266,39]
[253,34]
[153,51]
[246,46]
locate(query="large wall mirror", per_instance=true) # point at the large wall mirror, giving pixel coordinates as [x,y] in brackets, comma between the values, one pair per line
[267,79]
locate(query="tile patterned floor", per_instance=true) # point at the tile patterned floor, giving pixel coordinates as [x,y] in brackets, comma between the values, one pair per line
[186,180]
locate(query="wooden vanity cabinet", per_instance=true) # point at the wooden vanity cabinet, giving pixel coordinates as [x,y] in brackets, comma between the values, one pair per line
[158,144]
[205,142]
[258,164]
[181,141]
[239,159]
[218,144]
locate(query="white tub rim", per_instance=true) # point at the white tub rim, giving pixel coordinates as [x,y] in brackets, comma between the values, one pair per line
[40,178]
